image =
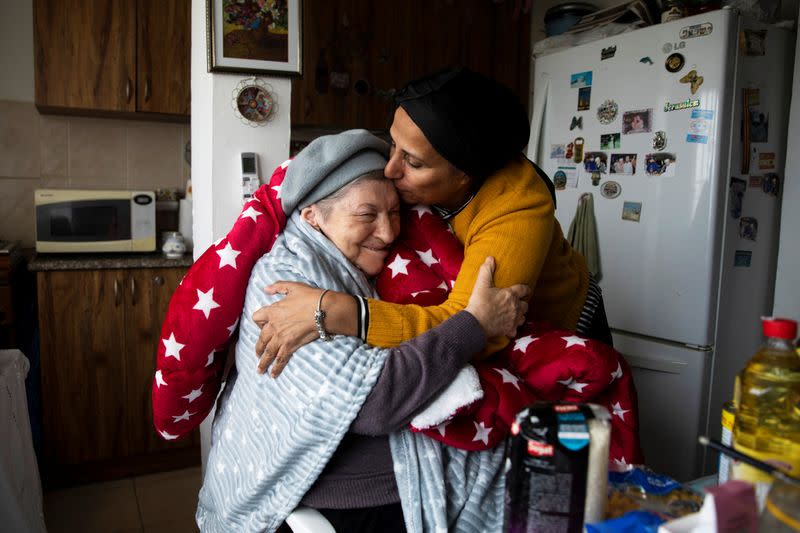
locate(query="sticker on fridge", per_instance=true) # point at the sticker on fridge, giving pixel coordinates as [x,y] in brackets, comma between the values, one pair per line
[584,98]
[638,121]
[696,30]
[565,177]
[610,141]
[632,211]
[697,139]
[595,162]
[748,228]
[686,104]
[737,187]
[766,160]
[660,164]
[623,164]
[581,79]
[742,258]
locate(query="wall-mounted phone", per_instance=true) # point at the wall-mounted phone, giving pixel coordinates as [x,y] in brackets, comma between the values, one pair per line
[250,175]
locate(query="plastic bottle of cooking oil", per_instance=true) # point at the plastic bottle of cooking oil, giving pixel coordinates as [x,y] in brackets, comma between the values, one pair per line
[767,424]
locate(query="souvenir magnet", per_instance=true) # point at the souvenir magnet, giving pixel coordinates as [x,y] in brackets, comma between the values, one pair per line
[647,60]
[623,164]
[595,178]
[748,228]
[560,180]
[584,98]
[755,182]
[578,149]
[696,30]
[607,112]
[674,62]
[568,152]
[770,184]
[766,161]
[742,258]
[693,79]
[632,211]
[751,42]
[610,189]
[696,139]
[581,79]
[608,53]
[737,188]
[660,140]
[686,104]
[577,122]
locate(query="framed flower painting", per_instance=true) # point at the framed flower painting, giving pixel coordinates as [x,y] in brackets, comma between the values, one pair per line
[255,36]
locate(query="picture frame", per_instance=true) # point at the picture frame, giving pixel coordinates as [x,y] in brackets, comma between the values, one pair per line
[261,37]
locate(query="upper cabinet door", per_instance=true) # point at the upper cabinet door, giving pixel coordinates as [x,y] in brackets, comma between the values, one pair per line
[85,54]
[164,46]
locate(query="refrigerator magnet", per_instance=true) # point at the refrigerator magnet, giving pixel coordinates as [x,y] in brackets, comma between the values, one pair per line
[558,151]
[696,30]
[595,162]
[632,211]
[646,60]
[638,121]
[610,189]
[678,106]
[610,141]
[581,79]
[577,122]
[696,139]
[742,258]
[660,164]
[770,184]
[737,188]
[674,62]
[560,180]
[766,160]
[693,79]
[755,182]
[577,148]
[584,98]
[565,177]
[624,164]
[607,112]
[660,140]
[595,178]
[748,228]
[608,53]
[751,42]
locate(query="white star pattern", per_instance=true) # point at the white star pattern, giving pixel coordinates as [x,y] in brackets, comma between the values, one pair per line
[227,256]
[414,294]
[398,266]
[167,436]
[617,373]
[195,394]
[427,257]
[210,359]
[442,428]
[232,328]
[574,340]
[572,384]
[421,210]
[277,189]
[620,462]
[250,212]
[185,416]
[522,343]
[443,286]
[481,433]
[619,411]
[205,302]
[173,347]
[508,377]
[159,379]
[285,164]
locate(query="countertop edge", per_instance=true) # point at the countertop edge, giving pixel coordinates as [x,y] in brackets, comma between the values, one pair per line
[51,262]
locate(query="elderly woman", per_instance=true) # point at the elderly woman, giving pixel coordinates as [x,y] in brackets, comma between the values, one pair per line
[327,434]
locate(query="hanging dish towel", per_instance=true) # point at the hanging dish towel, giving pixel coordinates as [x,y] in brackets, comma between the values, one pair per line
[582,234]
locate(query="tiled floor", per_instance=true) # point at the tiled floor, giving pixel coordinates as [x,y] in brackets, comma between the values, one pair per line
[156,503]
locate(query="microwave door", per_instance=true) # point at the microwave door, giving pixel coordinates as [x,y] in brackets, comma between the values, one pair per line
[84,221]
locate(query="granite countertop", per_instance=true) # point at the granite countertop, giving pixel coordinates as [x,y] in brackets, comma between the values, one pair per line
[44,262]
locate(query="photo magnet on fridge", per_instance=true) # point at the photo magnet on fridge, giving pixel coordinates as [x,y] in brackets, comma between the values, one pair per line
[581,79]
[595,162]
[766,160]
[639,121]
[751,42]
[610,141]
[632,211]
[623,164]
[584,98]
[759,125]
[748,228]
[755,182]
[558,151]
[771,184]
[660,164]
[742,258]
[737,187]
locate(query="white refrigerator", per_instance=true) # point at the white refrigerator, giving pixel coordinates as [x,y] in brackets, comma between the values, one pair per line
[686,201]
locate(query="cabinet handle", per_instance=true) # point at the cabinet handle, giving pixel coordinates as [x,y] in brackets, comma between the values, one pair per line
[133,291]
[147,89]
[128,90]
[116,293]
[158,280]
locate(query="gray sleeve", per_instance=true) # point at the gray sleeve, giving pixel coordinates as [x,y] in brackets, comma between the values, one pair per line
[416,371]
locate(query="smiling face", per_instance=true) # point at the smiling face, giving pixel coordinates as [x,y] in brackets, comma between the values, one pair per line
[362,223]
[420,173]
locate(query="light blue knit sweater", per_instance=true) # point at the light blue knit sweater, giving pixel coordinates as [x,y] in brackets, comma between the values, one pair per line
[272,438]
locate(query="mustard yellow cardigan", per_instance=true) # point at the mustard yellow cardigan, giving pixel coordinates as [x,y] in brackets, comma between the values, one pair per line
[511,218]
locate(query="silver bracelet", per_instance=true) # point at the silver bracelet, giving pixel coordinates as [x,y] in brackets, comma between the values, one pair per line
[319,317]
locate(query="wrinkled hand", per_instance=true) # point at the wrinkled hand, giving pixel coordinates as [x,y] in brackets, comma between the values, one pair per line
[499,311]
[285,325]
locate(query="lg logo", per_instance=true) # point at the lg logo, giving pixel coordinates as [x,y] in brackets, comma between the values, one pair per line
[669,47]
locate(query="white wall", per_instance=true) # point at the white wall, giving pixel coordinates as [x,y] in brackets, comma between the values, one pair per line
[218,137]
[787,282]
[16,50]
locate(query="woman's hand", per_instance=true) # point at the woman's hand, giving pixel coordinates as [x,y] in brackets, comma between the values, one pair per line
[499,311]
[285,325]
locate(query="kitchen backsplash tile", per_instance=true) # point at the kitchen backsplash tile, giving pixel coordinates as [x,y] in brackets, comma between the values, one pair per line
[55,145]
[16,204]
[97,151]
[19,140]
[154,156]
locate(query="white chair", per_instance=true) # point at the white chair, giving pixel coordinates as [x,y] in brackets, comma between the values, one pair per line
[308,520]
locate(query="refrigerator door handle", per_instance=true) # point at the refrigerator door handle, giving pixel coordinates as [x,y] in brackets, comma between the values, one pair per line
[537,118]
[656,364]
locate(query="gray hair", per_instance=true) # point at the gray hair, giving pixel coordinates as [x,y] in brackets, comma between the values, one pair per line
[326,205]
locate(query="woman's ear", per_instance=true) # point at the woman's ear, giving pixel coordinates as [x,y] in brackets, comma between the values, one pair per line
[310,214]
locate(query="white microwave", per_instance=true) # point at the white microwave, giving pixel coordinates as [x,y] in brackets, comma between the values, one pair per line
[75,220]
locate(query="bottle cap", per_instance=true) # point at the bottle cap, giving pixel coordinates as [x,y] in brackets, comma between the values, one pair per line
[782,328]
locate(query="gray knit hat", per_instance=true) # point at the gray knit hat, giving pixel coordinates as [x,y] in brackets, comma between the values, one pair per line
[329,163]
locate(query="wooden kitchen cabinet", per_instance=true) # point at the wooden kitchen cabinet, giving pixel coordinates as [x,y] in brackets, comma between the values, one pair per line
[120,57]
[99,333]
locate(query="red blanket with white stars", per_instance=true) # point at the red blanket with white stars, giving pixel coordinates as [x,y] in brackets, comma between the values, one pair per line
[541,363]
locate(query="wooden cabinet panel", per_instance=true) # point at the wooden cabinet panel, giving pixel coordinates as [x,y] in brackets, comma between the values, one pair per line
[85,54]
[356,53]
[82,365]
[164,49]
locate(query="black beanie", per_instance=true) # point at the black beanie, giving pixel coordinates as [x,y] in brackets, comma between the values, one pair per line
[474,122]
